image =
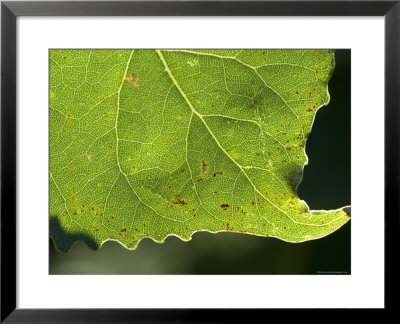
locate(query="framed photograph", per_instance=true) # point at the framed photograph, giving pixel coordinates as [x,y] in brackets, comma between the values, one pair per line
[194,161]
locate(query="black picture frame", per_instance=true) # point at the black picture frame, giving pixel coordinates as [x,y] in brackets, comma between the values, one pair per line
[10,10]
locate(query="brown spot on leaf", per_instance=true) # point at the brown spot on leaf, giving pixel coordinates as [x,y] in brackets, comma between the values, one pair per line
[133,79]
[218,173]
[179,202]
[224,206]
[204,167]
[89,157]
[123,230]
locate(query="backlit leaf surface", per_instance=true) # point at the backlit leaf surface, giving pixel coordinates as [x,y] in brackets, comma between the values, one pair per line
[151,143]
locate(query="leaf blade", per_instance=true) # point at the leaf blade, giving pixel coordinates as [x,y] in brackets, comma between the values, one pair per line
[183,141]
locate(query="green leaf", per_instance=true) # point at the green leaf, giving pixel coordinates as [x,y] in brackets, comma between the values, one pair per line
[151,143]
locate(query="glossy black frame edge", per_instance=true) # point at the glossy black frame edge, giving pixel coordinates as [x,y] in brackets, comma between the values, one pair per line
[11,10]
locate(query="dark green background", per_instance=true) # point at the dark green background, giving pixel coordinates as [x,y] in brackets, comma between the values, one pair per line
[326,185]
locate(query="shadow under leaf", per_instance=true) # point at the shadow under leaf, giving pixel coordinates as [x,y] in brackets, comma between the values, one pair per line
[63,240]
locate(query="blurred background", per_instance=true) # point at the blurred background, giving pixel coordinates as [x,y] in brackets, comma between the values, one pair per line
[326,185]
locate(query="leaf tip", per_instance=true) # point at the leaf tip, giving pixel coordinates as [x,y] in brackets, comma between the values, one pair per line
[347,211]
